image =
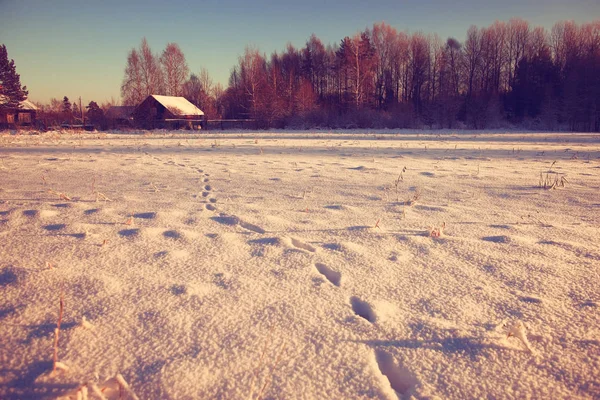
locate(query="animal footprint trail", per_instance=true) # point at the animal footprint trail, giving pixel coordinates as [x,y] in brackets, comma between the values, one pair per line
[363,309]
[401,379]
[332,276]
[251,227]
[301,245]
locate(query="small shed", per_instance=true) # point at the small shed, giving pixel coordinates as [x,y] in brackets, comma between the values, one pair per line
[168,112]
[24,115]
[120,115]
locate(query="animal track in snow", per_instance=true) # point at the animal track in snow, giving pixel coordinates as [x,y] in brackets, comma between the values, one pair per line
[172,234]
[55,227]
[205,194]
[332,276]
[233,220]
[146,215]
[210,207]
[497,239]
[363,309]
[129,232]
[301,245]
[400,378]
[251,227]
[208,188]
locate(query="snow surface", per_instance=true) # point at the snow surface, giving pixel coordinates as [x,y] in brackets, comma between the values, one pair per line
[178,105]
[300,265]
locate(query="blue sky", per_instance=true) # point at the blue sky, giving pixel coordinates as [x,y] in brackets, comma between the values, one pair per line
[79,48]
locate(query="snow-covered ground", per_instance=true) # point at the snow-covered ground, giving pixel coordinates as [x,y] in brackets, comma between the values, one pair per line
[301,265]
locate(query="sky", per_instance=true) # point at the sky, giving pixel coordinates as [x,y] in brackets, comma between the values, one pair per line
[79,48]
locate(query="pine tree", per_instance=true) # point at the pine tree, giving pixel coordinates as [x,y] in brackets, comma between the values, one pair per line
[10,82]
[95,113]
[76,111]
[66,109]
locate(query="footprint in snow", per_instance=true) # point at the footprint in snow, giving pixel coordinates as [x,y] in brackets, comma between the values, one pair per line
[178,290]
[251,227]
[55,227]
[145,215]
[129,233]
[332,276]
[497,239]
[401,379]
[301,245]
[172,234]
[363,309]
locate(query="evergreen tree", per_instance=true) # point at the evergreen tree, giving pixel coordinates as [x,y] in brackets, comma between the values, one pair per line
[66,109]
[76,111]
[94,113]
[10,82]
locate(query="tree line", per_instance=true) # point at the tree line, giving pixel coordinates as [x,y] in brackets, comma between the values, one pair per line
[508,73]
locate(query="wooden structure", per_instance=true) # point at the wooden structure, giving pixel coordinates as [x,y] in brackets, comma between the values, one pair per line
[168,112]
[120,116]
[13,117]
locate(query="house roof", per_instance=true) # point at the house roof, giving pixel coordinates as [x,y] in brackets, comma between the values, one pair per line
[25,104]
[120,111]
[178,105]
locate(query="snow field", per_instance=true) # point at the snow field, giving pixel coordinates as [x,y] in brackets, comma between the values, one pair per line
[301,265]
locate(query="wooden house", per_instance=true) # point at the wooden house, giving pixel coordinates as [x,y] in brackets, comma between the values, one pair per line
[168,112]
[22,116]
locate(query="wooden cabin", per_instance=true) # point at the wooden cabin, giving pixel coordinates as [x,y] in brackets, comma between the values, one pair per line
[168,112]
[13,117]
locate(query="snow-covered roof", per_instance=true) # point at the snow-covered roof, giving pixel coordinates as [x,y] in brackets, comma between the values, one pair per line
[178,105]
[25,104]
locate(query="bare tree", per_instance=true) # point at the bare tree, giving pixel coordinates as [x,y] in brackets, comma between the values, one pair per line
[175,69]
[132,88]
[143,75]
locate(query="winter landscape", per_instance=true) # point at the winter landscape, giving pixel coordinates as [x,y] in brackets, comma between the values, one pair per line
[274,200]
[314,265]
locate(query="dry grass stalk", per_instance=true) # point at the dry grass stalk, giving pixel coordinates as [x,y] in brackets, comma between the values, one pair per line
[260,366]
[411,201]
[129,221]
[101,196]
[60,195]
[437,231]
[377,224]
[57,333]
[270,378]
[552,180]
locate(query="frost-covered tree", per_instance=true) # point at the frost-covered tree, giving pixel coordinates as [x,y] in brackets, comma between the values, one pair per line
[10,82]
